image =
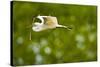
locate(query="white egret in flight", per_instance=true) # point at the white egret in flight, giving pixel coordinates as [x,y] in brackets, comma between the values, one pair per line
[47,22]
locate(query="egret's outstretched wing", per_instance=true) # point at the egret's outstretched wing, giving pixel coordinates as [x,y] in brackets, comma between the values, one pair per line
[51,21]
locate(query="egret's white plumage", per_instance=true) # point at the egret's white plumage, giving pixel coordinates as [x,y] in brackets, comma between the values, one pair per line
[47,22]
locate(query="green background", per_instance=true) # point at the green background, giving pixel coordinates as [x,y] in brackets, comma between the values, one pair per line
[57,45]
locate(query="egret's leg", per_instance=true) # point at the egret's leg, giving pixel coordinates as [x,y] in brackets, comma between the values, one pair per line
[67,27]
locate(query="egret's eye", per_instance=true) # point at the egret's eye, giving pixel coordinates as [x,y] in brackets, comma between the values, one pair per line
[37,20]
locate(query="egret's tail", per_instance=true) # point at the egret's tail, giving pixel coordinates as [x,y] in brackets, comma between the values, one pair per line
[67,27]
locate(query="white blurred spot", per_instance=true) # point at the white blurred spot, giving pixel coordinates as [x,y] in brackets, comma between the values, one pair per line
[80,41]
[90,54]
[92,37]
[19,40]
[20,61]
[47,50]
[80,38]
[88,27]
[58,54]
[80,46]
[39,59]
[43,42]
[36,49]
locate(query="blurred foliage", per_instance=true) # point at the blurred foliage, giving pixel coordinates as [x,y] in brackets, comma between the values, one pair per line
[55,45]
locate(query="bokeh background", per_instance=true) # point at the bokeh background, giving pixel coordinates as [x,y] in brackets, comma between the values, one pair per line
[55,45]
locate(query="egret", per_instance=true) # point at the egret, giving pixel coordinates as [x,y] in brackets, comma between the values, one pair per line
[47,22]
